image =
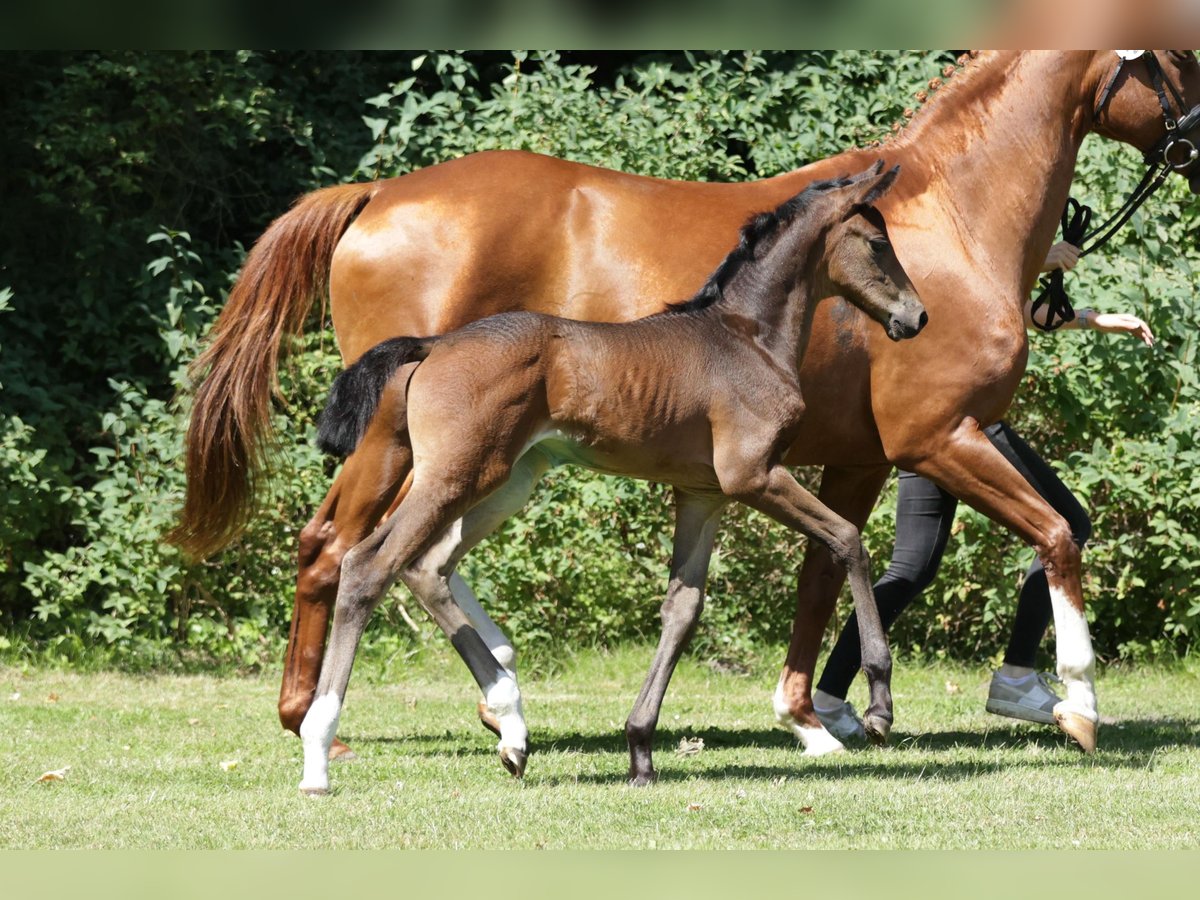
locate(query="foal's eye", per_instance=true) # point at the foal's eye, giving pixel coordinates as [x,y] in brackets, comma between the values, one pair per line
[879,244]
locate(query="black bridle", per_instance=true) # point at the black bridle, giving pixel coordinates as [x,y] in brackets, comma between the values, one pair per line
[1173,152]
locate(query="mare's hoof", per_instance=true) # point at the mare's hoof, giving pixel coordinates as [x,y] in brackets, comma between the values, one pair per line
[314,791]
[1079,729]
[877,729]
[490,722]
[338,750]
[642,779]
[513,761]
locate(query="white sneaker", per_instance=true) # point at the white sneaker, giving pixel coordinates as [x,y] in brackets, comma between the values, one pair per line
[842,722]
[1030,698]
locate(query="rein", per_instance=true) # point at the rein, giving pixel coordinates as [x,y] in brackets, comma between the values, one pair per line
[1161,160]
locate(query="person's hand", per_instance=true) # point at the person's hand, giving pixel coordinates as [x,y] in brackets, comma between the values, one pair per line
[1122,323]
[1061,256]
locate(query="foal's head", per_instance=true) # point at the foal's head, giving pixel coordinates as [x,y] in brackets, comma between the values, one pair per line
[858,262]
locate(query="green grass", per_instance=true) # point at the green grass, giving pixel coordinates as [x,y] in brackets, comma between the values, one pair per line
[146,752]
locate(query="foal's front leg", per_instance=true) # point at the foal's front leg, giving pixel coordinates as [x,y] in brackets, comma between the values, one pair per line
[776,493]
[696,519]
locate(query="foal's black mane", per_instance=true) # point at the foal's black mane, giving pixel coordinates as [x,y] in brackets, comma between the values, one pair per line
[758,230]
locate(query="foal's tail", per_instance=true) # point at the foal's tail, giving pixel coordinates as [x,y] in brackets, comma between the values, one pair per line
[230,429]
[355,394]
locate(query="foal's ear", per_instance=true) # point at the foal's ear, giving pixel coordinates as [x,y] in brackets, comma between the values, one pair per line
[867,187]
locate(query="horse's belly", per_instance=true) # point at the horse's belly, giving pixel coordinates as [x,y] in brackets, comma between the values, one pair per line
[661,464]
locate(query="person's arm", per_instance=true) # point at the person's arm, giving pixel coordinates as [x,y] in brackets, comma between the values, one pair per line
[1064,256]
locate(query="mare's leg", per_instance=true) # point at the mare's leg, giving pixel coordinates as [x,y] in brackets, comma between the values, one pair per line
[696,519]
[1033,603]
[369,481]
[971,468]
[850,493]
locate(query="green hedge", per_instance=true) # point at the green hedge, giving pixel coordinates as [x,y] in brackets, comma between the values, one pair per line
[134,181]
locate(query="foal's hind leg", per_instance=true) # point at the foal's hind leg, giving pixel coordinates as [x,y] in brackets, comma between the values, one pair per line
[367,572]
[429,579]
[477,525]
[696,520]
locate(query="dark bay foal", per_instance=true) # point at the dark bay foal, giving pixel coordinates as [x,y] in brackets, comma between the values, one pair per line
[705,397]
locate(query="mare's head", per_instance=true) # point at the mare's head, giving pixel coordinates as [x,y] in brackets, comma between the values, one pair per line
[859,262]
[1131,90]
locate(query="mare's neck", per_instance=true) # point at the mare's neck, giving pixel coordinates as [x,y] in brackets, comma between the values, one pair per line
[996,149]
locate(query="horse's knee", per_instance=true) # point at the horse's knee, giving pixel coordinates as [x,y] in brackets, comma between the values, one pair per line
[1058,551]
[846,546]
[683,604]
[362,579]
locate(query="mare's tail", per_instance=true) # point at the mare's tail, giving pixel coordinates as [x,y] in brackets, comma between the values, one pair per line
[355,394]
[230,428]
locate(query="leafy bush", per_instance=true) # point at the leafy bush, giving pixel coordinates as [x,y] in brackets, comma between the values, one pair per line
[197,151]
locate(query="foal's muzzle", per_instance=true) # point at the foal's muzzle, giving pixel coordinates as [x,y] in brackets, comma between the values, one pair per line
[907,322]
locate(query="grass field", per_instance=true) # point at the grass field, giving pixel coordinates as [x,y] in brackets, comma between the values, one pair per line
[195,762]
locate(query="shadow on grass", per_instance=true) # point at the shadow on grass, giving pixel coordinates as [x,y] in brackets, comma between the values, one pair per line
[1130,744]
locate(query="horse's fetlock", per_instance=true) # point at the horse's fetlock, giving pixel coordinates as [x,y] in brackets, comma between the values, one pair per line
[639,734]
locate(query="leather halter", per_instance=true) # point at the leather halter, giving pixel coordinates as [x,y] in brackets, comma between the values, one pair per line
[1168,149]
[1161,159]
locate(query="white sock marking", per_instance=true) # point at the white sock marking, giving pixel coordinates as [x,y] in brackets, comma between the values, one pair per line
[816,740]
[503,700]
[1076,659]
[316,734]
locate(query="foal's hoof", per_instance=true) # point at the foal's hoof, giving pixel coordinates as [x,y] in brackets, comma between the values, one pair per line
[338,750]
[490,722]
[314,791]
[513,761]
[877,729]
[1079,729]
[642,779]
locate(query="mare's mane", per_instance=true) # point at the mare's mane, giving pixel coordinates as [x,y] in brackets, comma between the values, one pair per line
[960,81]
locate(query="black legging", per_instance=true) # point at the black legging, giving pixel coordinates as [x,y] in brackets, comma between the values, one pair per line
[924,513]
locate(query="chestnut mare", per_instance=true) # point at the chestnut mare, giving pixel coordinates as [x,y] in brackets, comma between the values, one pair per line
[704,397]
[986,169]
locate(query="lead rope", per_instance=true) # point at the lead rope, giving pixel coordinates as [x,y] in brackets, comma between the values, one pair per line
[1076,218]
